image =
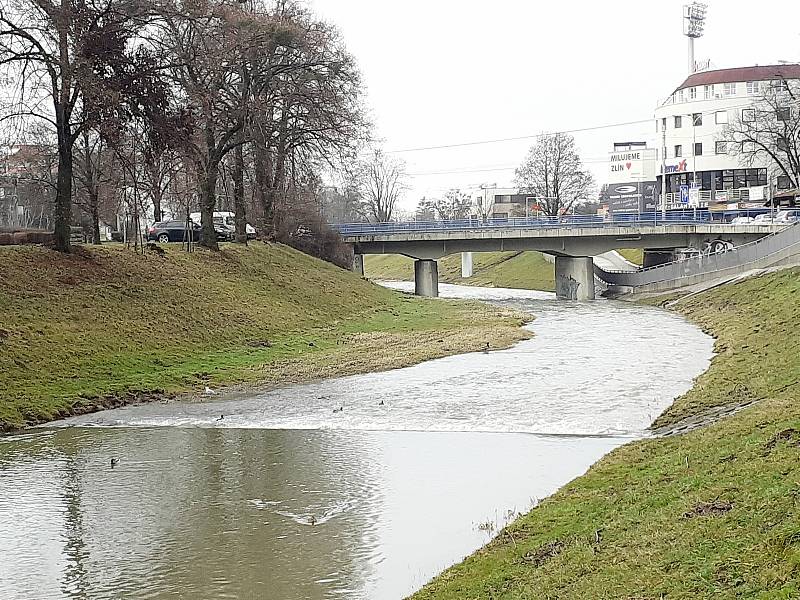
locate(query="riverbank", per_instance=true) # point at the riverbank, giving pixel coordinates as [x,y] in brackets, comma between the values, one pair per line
[709,514]
[106,327]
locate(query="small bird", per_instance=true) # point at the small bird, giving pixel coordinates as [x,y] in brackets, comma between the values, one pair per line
[209,392]
[312,520]
[114,462]
[220,417]
[486,348]
[338,410]
[381,403]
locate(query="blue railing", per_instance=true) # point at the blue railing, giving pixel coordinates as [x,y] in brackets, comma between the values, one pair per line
[681,217]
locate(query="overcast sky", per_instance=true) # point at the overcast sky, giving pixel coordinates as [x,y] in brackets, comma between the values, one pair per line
[443,72]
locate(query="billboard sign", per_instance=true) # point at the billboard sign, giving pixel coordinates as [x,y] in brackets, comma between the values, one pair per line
[631,165]
[633,196]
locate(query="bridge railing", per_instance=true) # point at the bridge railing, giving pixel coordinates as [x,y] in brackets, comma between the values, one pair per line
[680,217]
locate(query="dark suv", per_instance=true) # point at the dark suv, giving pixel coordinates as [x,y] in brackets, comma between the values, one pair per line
[175,231]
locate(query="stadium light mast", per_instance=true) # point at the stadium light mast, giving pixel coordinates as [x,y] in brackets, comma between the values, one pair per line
[694,22]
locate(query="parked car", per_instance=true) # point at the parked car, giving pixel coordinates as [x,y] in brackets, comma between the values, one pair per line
[787,216]
[226,219]
[741,220]
[765,219]
[175,231]
[172,231]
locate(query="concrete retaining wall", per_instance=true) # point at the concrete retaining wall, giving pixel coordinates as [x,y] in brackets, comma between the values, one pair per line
[779,248]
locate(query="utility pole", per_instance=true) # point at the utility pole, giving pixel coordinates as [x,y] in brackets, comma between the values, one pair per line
[663,170]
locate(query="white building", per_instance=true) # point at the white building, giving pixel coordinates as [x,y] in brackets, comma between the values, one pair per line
[690,140]
[494,202]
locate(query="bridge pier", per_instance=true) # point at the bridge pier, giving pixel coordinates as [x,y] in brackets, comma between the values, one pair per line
[575,278]
[466,265]
[426,278]
[358,264]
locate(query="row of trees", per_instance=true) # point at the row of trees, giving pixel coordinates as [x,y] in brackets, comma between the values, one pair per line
[178,99]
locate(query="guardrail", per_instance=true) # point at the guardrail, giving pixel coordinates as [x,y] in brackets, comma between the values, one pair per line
[739,256]
[683,217]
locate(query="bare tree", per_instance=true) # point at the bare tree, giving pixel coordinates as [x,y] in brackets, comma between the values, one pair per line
[554,174]
[770,130]
[381,181]
[453,205]
[68,61]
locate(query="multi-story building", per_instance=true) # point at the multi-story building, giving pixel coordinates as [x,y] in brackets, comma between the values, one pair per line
[492,202]
[691,143]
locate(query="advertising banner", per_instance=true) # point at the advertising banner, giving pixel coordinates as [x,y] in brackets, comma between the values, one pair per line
[632,165]
[635,196]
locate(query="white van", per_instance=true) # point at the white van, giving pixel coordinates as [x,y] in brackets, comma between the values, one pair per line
[226,219]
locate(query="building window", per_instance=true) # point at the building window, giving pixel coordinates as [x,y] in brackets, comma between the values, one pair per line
[748,147]
[664,152]
[729,89]
[698,149]
[697,119]
[784,183]
[721,148]
[680,95]
[678,151]
[781,85]
[753,87]
[708,92]
[692,93]
[782,113]
[748,115]
[721,117]
[677,121]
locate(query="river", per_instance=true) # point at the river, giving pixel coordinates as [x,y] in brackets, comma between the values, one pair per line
[361,487]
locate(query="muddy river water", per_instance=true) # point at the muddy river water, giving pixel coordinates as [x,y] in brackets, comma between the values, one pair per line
[289,497]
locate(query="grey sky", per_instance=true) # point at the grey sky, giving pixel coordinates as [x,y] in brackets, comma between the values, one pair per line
[450,71]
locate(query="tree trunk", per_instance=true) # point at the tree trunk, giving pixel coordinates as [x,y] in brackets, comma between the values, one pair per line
[63,206]
[208,202]
[262,175]
[157,202]
[238,196]
[95,220]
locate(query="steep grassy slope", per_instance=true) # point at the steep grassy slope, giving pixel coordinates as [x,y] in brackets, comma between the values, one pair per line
[714,513]
[106,326]
[525,270]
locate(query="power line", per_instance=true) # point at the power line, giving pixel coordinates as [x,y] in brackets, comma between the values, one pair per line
[519,138]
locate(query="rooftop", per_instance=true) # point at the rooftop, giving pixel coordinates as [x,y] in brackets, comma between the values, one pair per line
[757,73]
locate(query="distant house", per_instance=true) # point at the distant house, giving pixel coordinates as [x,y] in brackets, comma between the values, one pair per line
[26,193]
[502,203]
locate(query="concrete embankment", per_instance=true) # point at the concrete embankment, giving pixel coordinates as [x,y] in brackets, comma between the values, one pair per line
[709,513]
[105,327]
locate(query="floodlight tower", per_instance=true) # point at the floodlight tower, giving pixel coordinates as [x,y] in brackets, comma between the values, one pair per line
[694,22]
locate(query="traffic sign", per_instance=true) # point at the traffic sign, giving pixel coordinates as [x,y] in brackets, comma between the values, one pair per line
[684,194]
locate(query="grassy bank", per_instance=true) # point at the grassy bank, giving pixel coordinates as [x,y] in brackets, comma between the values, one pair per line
[105,326]
[714,513]
[524,270]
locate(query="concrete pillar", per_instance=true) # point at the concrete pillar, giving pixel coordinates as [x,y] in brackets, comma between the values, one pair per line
[426,278]
[358,264]
[574,278]
[466,265]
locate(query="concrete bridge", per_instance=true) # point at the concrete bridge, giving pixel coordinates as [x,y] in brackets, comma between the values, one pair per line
[572,240]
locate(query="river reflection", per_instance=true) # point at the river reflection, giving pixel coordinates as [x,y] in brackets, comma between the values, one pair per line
[285,499]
